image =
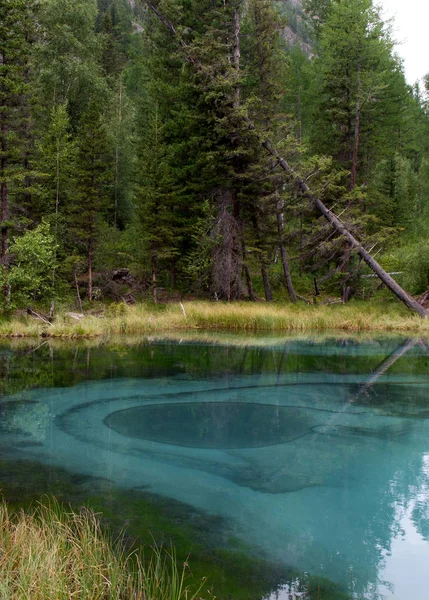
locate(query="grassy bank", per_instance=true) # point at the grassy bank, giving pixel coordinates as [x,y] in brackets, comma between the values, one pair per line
[58,554]
[51,553]
[119,319]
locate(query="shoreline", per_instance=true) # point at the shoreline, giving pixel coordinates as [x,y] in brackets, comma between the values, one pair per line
[203,316]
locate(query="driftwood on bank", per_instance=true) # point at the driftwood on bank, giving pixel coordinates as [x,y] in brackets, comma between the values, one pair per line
[424,298]
[333,219]
[75,316]
[36,315]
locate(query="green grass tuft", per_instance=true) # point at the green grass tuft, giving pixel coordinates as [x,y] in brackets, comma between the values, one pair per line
[58,554]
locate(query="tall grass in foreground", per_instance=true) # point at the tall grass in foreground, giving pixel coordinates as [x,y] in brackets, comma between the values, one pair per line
[53,554]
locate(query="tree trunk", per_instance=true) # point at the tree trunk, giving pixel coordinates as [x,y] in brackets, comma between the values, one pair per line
[355,150]
[4,206]
[246,269]
[27,153]
[90,271]
[57,202]
[283,253]
[4,192]
[339,227]
[267,287]
[237,54]
[394,287]
[154,281]
[4,209]
[118,137]
[357,131]
[249,284]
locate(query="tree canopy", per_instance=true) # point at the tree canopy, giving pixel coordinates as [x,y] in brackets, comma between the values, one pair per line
[124,143]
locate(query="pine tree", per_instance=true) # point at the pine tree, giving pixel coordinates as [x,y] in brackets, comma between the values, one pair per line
[351,78]
[56,162]
[93,182]
[16,35]
[68,58]
[230,148]
[266,69]
[201,143]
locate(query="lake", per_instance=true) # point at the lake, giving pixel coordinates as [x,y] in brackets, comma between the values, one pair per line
[283,467]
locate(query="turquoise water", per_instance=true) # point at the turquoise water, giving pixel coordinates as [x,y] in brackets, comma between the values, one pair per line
[314,455]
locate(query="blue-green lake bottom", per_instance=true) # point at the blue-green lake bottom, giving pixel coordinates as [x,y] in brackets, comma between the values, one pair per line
[282,468]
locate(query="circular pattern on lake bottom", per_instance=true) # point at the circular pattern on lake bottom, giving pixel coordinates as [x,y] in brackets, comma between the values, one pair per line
[218,425]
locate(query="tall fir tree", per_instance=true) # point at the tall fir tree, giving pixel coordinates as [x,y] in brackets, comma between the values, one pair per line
[352,81]
[16,36]
[68,58]
[93,183]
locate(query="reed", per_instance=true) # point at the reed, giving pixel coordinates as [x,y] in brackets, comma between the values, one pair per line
[58,554]
[146,319]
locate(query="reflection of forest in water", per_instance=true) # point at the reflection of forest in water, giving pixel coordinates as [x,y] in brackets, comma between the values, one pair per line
[323,447]
[25,364]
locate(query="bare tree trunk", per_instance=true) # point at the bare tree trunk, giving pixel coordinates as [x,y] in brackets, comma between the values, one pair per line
[27,134]
[267,287]
[4,191]
[4,200]
[227,253]
[318,204]
[4,211]
[77,292]
[57,202]
[339,227]
[357,131]
[154,280]
[246,269]
[173,274]
[249,283]
[283,252]
[263,266]
[118,136]
[237,54]
[90,257]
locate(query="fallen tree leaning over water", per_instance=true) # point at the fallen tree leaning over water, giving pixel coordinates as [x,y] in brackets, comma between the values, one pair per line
[292,176]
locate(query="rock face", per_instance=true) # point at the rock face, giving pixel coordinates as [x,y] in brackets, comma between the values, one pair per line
[296,30]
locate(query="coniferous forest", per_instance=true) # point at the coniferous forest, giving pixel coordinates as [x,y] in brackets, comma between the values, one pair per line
[131,162]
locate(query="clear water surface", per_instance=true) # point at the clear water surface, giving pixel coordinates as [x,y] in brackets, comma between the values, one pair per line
[311,454]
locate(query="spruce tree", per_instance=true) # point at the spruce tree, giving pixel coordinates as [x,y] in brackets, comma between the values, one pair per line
[56,162]
[68,58]
[16,35]
[93,183]
[351,78]
[266,70]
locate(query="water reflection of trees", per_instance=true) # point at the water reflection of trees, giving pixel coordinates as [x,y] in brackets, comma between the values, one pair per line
[396,474]
[25,365]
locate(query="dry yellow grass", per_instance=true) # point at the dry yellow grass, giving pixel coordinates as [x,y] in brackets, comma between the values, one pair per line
[146,319]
